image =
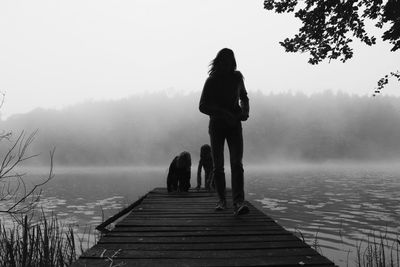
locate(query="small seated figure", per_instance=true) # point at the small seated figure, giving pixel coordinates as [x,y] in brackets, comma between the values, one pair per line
[206,163]
[178,178]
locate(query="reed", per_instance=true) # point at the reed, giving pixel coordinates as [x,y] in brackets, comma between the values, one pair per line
[378,252]
[375,251]
[45,243]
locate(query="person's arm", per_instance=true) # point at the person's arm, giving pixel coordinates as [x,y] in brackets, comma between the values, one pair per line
[199,173]
[244,101]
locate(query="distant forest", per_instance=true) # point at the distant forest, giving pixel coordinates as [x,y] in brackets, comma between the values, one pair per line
[152,128]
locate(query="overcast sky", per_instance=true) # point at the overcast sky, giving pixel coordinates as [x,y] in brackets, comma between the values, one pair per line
[57,53]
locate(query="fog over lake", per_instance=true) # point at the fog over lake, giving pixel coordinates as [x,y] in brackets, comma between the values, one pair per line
[324,165]
[150,129]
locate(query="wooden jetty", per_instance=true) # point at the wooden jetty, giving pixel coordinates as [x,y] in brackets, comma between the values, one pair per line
[182,229]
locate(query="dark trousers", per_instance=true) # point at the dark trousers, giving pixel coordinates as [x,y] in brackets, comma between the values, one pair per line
[219,132]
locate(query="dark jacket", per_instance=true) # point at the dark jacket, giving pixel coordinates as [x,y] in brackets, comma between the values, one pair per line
[222,95]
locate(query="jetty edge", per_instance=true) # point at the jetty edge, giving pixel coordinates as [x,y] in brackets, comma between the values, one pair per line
[182,229]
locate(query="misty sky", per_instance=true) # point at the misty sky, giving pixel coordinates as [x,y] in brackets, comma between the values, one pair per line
[57,53]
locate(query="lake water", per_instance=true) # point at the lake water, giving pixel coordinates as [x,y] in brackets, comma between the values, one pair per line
[336,207]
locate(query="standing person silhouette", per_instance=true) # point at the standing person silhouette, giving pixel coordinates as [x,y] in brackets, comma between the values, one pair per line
[224,99]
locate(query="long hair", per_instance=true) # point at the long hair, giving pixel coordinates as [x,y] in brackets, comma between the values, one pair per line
[223,63]
[184,160]
[205,151]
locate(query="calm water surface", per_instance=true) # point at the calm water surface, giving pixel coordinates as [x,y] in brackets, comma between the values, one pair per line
[339,208]
[336,207]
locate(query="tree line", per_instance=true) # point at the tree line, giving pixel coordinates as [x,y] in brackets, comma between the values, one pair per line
[150,129]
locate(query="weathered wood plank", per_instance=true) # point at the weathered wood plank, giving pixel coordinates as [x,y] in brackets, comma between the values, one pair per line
[166,206]
[193,223]
[195,254]
[188,216]
[196,239]
[205,246]
[141,210]
[204,219]
[173,228]
[183,229]
[206,214]
[273,231]
[298,260]
[228,212]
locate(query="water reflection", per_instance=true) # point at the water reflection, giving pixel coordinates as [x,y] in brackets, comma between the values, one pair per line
[340,207]
[85,197]
[343,207]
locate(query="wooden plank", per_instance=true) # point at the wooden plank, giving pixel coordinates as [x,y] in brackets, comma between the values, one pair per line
[273,231]
[190,216]
[185,209]
[183,229]
[298,260]
[119,215]
[205,246]
[201,220]
[193,223]
[199,212]
[196,239]
[226,215]
[258,229]
[180,213]
[188,208]
[195,254]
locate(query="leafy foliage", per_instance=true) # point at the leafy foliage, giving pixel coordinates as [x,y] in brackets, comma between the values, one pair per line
[385,80]
[328,27]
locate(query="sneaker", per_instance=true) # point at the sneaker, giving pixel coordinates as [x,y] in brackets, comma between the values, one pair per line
[240,209]
[221,205]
